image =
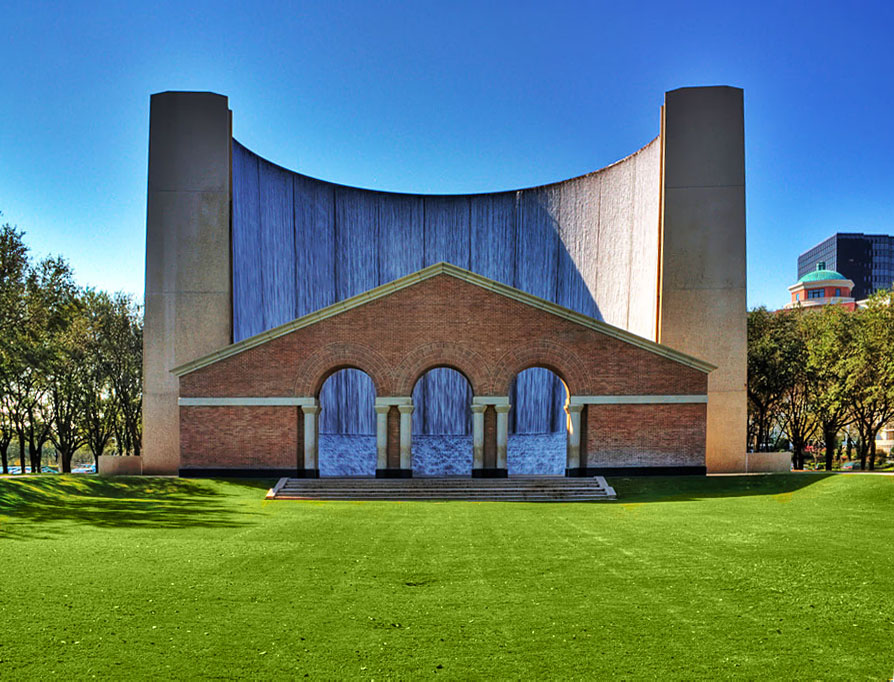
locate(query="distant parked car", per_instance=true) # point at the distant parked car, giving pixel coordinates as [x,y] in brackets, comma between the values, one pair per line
[850,466]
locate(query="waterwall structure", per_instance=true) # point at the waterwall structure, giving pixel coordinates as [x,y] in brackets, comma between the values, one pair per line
[653,244]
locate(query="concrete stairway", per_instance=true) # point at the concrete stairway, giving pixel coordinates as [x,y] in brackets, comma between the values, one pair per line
[526,489]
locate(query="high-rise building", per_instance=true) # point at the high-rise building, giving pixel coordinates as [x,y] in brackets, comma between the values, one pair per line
[867,259]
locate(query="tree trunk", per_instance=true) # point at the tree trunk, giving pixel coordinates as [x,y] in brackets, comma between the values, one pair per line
[798,455]
[872,454]
[22,451]
[4,454]
[830,436]
[35,455]
[65,459]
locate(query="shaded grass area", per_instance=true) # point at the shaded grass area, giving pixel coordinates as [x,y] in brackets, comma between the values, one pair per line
[755,577]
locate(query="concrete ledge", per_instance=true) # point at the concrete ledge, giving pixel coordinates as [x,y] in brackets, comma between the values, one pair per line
[394,473]
[236,473]
[490,473]
[760,462]
[645,471]
[111,465]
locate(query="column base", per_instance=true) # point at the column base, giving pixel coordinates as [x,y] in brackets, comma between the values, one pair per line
[490,473]
[307,473]
[394,473]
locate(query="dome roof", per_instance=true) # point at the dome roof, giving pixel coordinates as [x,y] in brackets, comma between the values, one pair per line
[819,275]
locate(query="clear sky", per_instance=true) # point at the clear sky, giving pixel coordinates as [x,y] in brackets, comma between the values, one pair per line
[443,97]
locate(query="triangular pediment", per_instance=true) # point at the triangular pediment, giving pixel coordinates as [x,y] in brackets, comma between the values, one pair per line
[428,273]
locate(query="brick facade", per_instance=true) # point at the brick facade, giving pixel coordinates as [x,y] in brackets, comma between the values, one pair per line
[443,321]
[240,437]
[645,435]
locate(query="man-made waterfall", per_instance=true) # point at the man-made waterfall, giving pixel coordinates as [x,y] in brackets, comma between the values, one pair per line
[300,244]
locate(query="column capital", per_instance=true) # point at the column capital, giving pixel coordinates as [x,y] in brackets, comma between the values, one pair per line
[311,409]
[382,409]
[571,408]
[479,409]
[406,409]
[503,409]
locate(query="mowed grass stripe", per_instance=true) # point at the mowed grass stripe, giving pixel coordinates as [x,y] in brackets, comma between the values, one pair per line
[756,577]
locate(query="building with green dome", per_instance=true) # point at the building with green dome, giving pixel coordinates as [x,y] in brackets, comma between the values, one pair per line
[822,287]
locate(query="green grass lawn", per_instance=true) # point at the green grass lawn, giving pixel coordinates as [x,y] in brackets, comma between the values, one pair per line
[788,576]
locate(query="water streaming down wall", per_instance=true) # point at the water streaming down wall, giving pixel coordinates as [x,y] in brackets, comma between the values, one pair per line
[300,244]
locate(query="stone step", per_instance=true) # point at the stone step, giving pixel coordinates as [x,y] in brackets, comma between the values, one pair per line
[534,489]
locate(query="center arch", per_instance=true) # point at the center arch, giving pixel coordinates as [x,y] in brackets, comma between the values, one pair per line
[442,440]
[436,354]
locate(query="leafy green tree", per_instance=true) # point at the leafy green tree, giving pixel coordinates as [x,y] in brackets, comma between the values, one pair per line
[796,417]
[49,294]
[123,336]
[770,345]
[69,365]
[870,381]
[828,337]
[14,272]
[13,268]
[99,403]
[70,361]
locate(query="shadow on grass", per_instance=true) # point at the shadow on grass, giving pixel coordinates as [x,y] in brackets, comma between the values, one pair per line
[692,488]
[33,507]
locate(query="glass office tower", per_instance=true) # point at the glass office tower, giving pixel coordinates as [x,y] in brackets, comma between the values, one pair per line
[867,259]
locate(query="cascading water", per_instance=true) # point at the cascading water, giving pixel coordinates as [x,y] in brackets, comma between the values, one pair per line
[301,244]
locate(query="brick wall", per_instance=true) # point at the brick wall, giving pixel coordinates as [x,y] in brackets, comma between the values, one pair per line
[240,437]
[441,321]
[645,435]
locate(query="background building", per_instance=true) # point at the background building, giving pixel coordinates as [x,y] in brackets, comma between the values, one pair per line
[822,287]
[867,259]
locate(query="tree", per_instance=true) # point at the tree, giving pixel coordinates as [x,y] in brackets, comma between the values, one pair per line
[70,361]
[49,293]
[68,367]
[870,381]
[828,338]
[6,434]
[14,272]
[769,348]
[796,416]
[123,338]
[100,405]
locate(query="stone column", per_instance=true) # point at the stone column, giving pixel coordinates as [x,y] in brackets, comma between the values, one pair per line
[572,458]
[382,436]
[703,276]
[188,299]
[311,446]
[502,436]
[478,437]
[406,439]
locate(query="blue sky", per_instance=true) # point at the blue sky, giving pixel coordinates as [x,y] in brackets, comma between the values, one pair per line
[443,97]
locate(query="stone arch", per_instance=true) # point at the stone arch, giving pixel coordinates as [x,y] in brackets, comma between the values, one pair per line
[329,359]
[441,354]
[542,353]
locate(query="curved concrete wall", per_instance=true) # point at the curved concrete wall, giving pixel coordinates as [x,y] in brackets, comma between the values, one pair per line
[589,243]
